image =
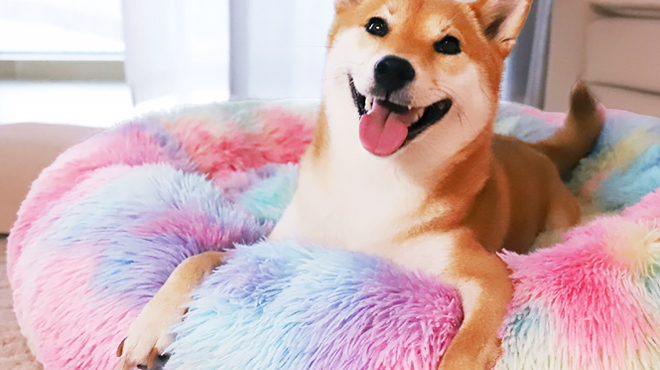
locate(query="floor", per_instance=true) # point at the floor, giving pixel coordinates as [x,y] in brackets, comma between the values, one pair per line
[14,353]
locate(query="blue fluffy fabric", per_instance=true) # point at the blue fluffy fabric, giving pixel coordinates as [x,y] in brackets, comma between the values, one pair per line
[288,306]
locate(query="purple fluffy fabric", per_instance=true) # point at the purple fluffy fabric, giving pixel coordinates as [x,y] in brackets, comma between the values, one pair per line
[105,225]
[288,306]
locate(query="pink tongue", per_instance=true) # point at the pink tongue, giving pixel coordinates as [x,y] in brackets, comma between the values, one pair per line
[382,131]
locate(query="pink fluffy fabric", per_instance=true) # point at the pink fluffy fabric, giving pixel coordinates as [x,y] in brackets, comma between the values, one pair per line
[89,250]
[591,301]
[55,260]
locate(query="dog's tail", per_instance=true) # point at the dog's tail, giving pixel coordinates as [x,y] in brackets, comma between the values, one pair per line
[579,134]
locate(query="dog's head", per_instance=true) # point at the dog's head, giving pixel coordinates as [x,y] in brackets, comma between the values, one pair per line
[419,72]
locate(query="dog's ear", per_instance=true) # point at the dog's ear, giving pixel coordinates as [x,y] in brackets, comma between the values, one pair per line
[341,5]
[502,20]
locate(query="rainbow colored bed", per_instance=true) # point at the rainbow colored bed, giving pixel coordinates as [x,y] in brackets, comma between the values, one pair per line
[104,226]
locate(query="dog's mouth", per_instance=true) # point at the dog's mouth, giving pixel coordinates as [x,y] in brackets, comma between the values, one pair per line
[386,127]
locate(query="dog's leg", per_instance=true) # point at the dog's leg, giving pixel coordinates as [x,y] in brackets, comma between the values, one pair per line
[149,335]
[564,211]
[483,282]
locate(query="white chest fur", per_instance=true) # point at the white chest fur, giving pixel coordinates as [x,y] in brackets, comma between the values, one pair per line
[355,200]
[366,218]
[358,207]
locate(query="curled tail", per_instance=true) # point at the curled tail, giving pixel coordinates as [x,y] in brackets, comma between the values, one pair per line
[579,134]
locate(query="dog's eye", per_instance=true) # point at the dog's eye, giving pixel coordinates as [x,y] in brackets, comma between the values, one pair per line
[448,45]
[377,27]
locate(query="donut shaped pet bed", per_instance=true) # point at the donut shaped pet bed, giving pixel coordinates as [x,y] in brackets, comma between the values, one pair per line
[105,225]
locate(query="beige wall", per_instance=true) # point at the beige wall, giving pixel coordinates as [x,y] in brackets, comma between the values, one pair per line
[25,150]
[613,46]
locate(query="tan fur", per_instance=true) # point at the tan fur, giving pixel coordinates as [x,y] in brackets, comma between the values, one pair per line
[448,199]
[149,334]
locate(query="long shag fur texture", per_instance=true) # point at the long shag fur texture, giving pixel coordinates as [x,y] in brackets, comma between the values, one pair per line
[105,225]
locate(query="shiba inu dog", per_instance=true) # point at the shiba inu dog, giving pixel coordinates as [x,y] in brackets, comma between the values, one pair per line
[405,164]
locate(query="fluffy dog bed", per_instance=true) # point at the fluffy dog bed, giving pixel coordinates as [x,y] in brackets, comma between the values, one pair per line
[105,225]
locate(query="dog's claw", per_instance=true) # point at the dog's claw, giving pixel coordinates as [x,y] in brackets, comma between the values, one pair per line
[120,349]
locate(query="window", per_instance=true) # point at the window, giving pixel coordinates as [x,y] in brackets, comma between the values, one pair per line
[62,61]
[61,30]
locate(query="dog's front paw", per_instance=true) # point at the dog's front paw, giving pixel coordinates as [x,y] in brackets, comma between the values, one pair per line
[465,359]
[149,336]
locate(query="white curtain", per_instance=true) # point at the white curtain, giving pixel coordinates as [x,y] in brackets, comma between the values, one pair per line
[177,51]
[192,51]
[278,47]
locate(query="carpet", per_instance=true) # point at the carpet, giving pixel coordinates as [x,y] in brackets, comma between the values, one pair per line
[14,352]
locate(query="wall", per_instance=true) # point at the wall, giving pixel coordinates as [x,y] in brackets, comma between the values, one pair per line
[278,47]
[177,50]
[188,51]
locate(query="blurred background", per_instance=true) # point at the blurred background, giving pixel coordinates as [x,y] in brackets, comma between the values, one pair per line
[71,67]
[95,62]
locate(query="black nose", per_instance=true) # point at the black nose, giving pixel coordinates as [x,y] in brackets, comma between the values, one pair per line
[393,73]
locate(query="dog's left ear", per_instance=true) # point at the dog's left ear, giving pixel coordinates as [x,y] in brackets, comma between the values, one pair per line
[502,20]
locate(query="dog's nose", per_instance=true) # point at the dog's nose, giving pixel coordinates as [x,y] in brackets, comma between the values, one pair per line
[393,73]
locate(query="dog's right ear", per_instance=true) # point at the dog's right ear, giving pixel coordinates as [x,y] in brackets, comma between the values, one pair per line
[341,5]
[502,20]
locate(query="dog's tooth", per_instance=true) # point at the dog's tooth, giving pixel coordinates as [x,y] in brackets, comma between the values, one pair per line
[419,113]
[410,107]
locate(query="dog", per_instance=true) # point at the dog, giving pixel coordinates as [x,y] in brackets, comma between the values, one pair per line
[405,164]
